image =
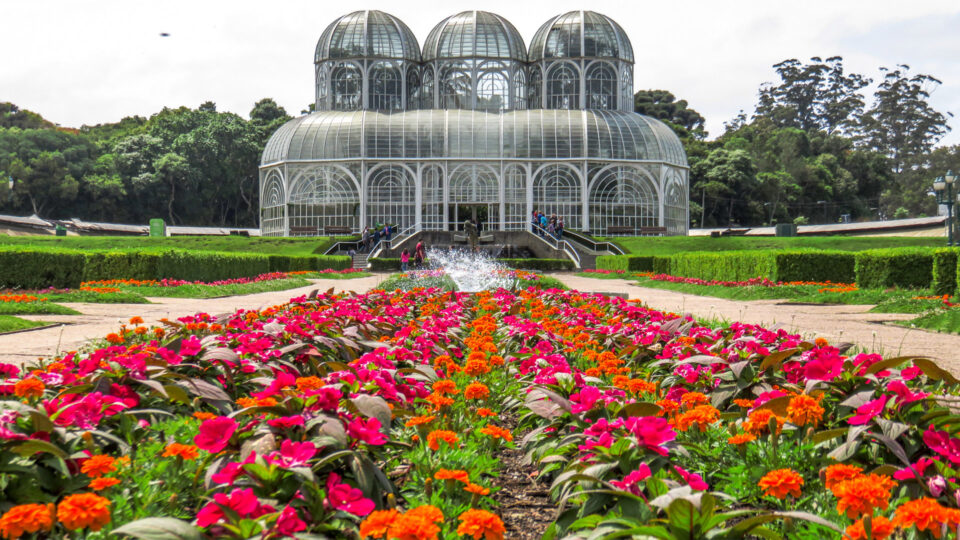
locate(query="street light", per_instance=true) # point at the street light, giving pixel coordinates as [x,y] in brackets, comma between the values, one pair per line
[943,189]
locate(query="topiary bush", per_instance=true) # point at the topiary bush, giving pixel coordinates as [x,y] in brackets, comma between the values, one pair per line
[627,263]
[945,271]
[661,265]
[908,268]
[810,265]
[40,268]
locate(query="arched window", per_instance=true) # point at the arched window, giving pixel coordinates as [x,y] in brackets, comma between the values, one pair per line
[323,196]
[272,205]
[492,91]
[675,205]
[413,88]
[391,197]
[519,89]
[556,191]
[601,87]
[515,196]
[626,89]
[323,87]
[386,87]
[427,89]
[455,87]
[347,81]
[563,87]
[622,196]
[534,89]
[432,213]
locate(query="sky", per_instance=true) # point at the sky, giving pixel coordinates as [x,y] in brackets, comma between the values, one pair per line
[82,62]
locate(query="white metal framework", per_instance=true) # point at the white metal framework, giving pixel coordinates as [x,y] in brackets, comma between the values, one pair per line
[475,123]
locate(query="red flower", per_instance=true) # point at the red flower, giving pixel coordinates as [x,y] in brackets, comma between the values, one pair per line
[241,501]
[347,498]
[215,433]
[868,411]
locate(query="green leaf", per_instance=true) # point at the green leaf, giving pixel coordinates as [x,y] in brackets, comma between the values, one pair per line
[774,360]
[887,364]
[159,528]
[640,408]
[37,446]
[933,371]
[828,434]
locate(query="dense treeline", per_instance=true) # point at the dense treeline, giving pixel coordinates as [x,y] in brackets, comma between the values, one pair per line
[188,166]
[815,149]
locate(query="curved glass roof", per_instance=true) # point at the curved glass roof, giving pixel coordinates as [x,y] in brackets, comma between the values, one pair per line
[368,34]
[463,134]
[578,34]
[474,34]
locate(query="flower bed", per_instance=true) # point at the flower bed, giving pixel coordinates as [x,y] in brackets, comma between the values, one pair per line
[20,298]
[383,415]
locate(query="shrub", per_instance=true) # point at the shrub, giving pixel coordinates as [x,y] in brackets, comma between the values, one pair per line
[661,265]
[627,263]
[835,266]
[103,265]
[384,264]
[908,268]
[809,265]
[944,271]
[539,264]
[292,263]
[40,268]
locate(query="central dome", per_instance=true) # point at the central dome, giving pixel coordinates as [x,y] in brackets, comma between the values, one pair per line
[367,34]
[474,34]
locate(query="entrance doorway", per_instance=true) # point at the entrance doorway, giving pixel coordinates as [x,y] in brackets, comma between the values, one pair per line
[486,215]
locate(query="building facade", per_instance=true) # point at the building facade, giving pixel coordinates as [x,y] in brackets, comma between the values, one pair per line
[475,125]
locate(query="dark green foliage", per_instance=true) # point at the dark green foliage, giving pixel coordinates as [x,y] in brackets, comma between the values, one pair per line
[661,264]
[671,245]
[835,266]
[539,264]
[289,263]
[40,268]
[905,268]
[121,265]
[944,271]
[384,264]
[627,263]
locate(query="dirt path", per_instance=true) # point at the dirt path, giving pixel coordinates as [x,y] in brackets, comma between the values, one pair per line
[98,320]
[837,323]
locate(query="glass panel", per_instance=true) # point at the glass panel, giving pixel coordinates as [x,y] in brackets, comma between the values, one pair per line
[347,87]
[391,197]
[556,193]
[323,196]
[622,196]
[563,87]
[601,87]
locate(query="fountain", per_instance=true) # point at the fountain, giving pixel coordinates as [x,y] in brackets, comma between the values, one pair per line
[471,272]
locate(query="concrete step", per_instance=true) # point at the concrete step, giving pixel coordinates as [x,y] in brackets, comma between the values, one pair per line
[359,261]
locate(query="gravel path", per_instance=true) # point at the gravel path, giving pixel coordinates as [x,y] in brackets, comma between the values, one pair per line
[98,320]
[836,323]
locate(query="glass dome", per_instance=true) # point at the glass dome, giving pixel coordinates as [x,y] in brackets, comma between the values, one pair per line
[474,34]
[581,34]
[368,34]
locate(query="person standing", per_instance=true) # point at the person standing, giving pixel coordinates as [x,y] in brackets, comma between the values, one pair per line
[559,226]
[365,240]
[419,255]
[404,260]
[387,231]
[543,223]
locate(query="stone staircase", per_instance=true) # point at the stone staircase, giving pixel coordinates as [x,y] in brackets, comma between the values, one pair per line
[360,261]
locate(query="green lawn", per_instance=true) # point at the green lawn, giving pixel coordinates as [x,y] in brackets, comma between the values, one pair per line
[212,291]
[281,246]
[33,308]
[331,275]
[668,245]
[9,323]
[947,320]
[90,297]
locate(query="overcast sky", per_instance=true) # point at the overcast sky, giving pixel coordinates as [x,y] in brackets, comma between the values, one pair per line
[87,62]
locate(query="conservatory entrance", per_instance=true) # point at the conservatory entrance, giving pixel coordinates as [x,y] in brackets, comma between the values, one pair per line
[487,215]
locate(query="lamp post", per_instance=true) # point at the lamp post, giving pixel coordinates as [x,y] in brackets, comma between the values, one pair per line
[943,189]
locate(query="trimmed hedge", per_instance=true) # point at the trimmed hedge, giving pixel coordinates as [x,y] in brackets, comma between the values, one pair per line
[40,268]
[627,263]
[835,266]
[539,264]
[37,268]
[661,265]
[908,268]
[944,271]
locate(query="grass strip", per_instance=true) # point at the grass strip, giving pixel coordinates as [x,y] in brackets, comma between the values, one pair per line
[35,308]
[9,323]
[212,291]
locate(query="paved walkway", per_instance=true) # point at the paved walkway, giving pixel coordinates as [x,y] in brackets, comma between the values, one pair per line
[98,320]
[837,323]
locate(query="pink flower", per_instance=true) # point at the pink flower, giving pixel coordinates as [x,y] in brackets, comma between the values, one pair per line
[868,411]
[327,398]
[942,443]
[367,431]
[585,399]
[288,523]
[911,373]
[545,347]
[190,346]
[694,480]
[293,454]
[937,485]
[904,394]
[824,364]
[630,481]
[229,474]
[909,474]
[215,433]
[346,498]
[241,501]
[286,422]
[651,432]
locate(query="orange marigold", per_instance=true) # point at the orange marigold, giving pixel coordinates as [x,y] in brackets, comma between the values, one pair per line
[475,368]
[136,320]
[484,412]
[99,484]
[378,523]
[439,401]
[781,482]
[417,524]
[84,510]
[668,407]
[497,433]
[861,495]
[434,438]
[26,518]
[925,514]
[742,438]
[476,489]
[309,383]
[186,451]
[496,360]
[481,524]
[429,512]
[201,415]
[98,465]
[114,338]
[476,390]
[880,529]
[445,386]
[455,474]
[691,399]
[419,421]
[758,422]
[840,472]
[803,410]
[700,416]
[28,388]
[744,403]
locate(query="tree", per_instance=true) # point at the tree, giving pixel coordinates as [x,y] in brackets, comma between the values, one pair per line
[12,116]
[724,177]
[173,171]
[664,106]
[901,123]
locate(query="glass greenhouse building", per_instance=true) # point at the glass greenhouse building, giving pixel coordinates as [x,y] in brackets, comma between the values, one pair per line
[474,125]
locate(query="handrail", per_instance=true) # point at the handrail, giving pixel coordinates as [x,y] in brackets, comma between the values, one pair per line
[558,244]
[593,244]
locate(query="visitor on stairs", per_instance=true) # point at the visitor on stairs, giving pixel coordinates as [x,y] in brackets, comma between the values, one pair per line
[543,223]
[559,227]
[365,239]
[404,259]
[419,254]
